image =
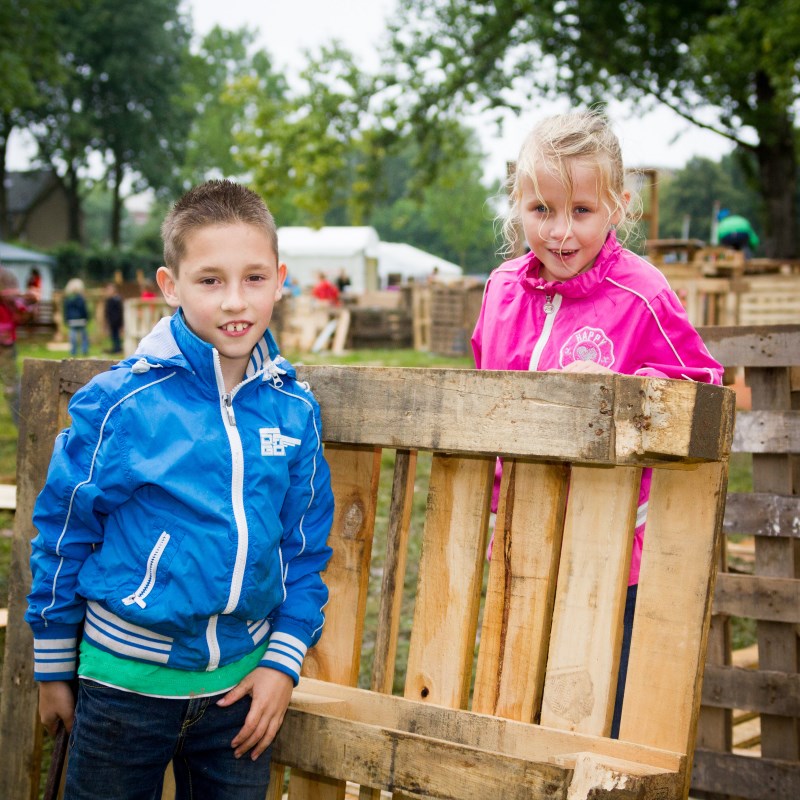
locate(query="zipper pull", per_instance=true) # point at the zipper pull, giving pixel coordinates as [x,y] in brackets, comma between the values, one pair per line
[227,401]
[548,304]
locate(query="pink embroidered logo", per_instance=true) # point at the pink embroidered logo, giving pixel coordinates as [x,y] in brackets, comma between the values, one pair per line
[588,344]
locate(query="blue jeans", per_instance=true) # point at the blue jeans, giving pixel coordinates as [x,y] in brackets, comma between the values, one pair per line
[622,675]
[122,742]
[78,332]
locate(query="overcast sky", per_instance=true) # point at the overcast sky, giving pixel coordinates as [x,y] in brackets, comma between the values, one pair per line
[286,28]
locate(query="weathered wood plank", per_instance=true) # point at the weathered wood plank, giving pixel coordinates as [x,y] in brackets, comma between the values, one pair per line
[557,416]
[745,776]
[765,691]
[762,514]
[769,599]
[580,681]
[518,610]
[767,431]
[450,578]
[771,390]
[394,569]
[755,346]
[20,731]
[669,630]
[355,473]
[475,730]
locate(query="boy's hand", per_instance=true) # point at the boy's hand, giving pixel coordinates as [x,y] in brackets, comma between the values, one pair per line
[56,702]
[271,691]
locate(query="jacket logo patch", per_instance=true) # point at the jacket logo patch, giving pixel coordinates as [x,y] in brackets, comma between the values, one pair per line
[588,344]
[274,443]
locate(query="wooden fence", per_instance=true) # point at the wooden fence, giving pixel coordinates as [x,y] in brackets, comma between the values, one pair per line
[541,697]
[771,594]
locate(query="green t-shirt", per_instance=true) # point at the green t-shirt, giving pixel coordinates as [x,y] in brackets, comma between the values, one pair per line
[156,680]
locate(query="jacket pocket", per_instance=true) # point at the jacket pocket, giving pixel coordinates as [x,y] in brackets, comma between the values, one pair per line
[151,571]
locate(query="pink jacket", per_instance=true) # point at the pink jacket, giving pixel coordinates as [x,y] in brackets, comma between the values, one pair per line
[620,313]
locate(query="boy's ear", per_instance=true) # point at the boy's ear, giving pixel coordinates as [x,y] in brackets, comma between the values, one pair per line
[166,282]
[281,278]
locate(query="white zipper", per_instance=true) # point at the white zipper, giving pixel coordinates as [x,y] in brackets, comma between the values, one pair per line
[149,581]
[237,501]
[551,305]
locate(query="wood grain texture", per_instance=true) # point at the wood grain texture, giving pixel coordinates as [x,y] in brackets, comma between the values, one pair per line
[518,610]
[449,583]
[668,645]
[752,346]
[609,419]
[586,635]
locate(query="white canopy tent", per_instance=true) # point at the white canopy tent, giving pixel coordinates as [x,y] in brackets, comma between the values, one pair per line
[370,263]
[405,262]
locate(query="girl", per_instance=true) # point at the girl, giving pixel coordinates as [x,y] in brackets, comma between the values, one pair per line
[579,301]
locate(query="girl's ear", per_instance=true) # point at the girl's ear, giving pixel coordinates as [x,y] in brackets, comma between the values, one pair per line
[617,216]
[166,282]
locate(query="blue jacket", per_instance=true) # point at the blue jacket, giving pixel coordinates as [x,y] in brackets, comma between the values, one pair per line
[186,525]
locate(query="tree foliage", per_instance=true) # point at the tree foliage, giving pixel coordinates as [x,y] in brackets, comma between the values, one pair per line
[120,99]
[727,65]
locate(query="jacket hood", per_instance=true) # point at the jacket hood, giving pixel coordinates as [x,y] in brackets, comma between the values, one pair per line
[172,344]
[581,285]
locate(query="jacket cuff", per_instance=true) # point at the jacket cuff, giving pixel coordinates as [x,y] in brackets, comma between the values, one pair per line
[285,653]
[55,656]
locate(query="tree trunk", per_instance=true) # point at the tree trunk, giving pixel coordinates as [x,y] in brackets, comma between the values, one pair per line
[116,208]
[71,184]
[5,131]
[777,174]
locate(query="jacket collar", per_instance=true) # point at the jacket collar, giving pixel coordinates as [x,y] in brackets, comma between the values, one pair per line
[174,345]
[581,285]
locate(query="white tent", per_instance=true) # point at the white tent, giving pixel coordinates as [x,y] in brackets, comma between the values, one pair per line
[369,262]
[307,251]
[405,262]
[22,262]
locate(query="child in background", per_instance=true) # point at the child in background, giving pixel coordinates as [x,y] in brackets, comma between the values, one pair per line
[76,316]
[184,524]
[579,301]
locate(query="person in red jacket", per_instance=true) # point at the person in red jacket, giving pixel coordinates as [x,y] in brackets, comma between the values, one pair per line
[325,291]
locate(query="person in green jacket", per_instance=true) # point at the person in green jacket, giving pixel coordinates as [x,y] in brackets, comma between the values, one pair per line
[736,232]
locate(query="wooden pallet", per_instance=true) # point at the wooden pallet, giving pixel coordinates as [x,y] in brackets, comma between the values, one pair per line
[532,718]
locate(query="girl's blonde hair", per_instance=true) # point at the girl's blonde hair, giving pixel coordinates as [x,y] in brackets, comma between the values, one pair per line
[555,144]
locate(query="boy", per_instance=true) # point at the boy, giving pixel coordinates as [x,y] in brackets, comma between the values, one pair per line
[184,522]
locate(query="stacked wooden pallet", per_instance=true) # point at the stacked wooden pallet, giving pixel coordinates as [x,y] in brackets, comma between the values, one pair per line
[454,312]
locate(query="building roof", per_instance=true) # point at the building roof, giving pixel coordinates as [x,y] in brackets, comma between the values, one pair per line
[11,254]
[25,189]
[333,241]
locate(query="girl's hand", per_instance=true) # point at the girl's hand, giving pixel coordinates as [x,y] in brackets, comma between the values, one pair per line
[271,691]
[591,367]
[56,702]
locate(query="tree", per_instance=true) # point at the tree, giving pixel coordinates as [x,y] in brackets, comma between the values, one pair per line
[697,189]
[302,150]
[741,58]
[122,98]
[28,56]
[224,85]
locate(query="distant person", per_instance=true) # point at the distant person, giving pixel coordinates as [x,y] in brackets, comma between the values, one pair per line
[736,232]
[325,291]
[148,292]
[34,285]
[10,308]
[291,287]
[76,316]
[433,277]
[113,313]
[342,281]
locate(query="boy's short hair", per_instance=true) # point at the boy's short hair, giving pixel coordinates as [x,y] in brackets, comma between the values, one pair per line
[217,202]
